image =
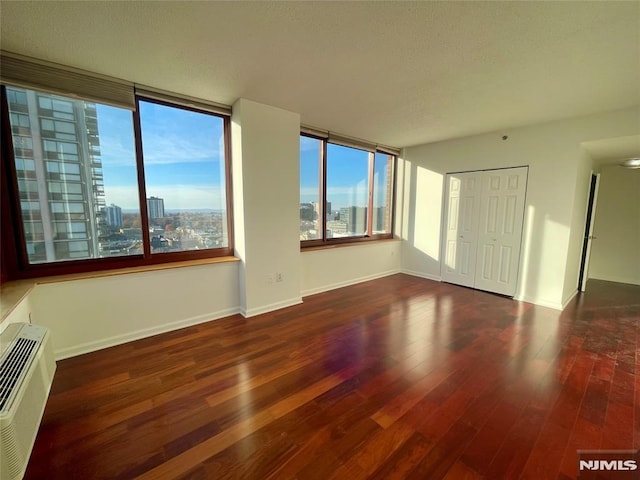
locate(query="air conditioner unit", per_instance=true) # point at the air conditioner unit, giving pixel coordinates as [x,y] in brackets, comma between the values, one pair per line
[27,366]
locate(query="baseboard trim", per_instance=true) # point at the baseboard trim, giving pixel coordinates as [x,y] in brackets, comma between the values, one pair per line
[541,303]
[252,312]
[89,347]
[428,276]
[568,300]
[353,281]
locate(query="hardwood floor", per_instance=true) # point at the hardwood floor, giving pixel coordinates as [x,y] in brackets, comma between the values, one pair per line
[399,377]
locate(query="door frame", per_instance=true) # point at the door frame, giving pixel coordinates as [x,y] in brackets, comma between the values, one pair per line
[588,231]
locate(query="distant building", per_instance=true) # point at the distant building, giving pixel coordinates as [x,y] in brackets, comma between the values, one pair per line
[113,215]
[380,220]
[327,210]
[155,207]
[336,228]
[132,233]
[307,212]
[159,242]
[355,218]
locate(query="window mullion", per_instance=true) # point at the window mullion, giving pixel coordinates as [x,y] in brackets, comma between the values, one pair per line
[391,192]
[323,187]
[370,199]
[142,191]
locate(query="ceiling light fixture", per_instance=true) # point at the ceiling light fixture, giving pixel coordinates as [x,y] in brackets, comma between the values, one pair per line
[631,163]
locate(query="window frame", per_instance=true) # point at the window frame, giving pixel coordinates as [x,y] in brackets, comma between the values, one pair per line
[369,236]
[14,257]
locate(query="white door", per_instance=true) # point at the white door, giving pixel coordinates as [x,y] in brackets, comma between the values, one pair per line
[484,214]
[461,235]
[500,230]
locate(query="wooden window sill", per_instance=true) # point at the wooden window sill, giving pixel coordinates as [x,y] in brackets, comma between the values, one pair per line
[341,244]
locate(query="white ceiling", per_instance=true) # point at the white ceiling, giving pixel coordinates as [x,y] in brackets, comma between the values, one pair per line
[397,73]
[610,151]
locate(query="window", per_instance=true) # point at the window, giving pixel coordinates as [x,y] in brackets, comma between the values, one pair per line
[345,192]
[90,179]
[184,160]
[382,192]
[311,211]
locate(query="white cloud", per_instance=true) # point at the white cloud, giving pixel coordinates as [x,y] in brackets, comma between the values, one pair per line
[114,153]
[175,149]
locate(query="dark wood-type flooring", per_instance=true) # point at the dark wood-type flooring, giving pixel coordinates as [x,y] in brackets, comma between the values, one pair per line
[399,377]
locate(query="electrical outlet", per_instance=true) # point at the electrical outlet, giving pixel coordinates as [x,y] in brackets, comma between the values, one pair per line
[278,276]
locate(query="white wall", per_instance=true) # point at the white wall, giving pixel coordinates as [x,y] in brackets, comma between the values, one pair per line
[19,313]
[553,205]
[615,254]
[326,269]
[89,314]
[266,192]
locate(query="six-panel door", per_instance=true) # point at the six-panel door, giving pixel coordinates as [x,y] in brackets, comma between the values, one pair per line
[463,208]
[484,216]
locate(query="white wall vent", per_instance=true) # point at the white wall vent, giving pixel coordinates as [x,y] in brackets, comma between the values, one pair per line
[27,366]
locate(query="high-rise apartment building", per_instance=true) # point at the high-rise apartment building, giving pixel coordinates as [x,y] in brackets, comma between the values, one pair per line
[59,170]
[380,220]
[327,210]
[307,212]
[355,219]
[155,207]
[113,216]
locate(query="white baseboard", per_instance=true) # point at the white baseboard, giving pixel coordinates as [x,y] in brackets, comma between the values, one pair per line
[346,283]
[252,312]
[540,302]
[143,333]
[428,276]
[569,298]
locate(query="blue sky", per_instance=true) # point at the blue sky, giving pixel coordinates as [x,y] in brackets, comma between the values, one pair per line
[347,175]
[183,155]
[184,152]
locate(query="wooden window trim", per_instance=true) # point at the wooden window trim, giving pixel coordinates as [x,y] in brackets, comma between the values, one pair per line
[372,160]
[14,259]
[369,236]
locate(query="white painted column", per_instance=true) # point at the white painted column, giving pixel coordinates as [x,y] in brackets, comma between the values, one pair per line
[266,193]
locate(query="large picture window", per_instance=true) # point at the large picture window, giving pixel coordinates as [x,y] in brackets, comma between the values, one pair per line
[346,193]
[184,170]
[96,186]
